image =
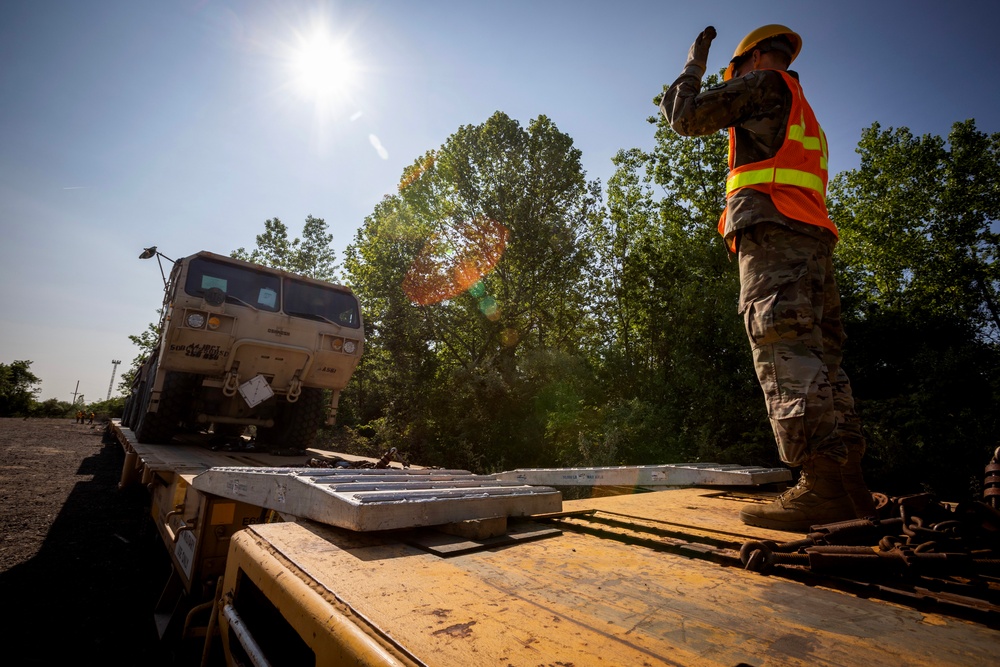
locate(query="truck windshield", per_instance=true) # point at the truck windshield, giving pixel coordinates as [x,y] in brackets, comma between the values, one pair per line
[241,285]
[316,302]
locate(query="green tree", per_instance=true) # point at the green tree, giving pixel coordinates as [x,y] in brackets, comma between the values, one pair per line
[105,409]
[18,387]
[919,274]
[473,267]
[385,392]
[312,255]
[917,218]
[703,358]
[52,408]
[673,355]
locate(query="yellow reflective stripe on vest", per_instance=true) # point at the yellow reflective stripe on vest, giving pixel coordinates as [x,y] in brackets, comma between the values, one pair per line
[798,133]
[754,177]
[802,179]
[826,152]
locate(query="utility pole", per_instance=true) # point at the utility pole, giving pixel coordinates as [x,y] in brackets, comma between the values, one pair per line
[76,391]
[114,369]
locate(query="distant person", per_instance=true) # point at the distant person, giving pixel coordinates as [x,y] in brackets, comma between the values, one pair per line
[92,415]
[777,223]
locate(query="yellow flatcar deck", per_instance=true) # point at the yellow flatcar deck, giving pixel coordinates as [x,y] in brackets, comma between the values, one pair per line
[623,580]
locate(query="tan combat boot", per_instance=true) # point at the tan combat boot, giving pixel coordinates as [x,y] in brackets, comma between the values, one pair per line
[818,498]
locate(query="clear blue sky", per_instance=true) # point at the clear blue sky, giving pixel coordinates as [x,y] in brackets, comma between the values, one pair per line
[186,124]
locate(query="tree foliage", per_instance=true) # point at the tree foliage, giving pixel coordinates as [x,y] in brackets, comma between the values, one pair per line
[52,408]
[105,409]
[918,263]
[472,279]
[312,255]
[672,354]
[18,387]
[918,218]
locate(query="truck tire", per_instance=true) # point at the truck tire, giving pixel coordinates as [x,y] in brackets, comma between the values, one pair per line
[132,404]
[130,413]
[159,427]
[127,411]
[295,424]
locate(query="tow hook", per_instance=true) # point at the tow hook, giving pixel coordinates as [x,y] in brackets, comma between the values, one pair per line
[294,389]
[232,383]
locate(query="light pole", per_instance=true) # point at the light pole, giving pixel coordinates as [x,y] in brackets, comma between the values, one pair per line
[114,369]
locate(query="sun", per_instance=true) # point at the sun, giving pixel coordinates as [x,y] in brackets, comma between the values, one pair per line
[323,68]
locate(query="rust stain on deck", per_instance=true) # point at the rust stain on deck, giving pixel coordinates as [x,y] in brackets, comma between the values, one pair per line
[459,630]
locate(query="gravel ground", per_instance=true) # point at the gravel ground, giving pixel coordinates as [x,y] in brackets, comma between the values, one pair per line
[81,565]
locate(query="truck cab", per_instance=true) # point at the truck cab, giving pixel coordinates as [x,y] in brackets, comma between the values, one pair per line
[246,345]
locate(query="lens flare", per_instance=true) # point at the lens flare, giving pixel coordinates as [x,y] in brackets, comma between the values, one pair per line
[509,337]
[455,261]
[489,307]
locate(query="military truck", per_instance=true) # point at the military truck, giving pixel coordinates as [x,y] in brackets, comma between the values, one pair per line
[245,345]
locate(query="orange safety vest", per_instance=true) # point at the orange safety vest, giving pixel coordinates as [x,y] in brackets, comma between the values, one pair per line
[796,176]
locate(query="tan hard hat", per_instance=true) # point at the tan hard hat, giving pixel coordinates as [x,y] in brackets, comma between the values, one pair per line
[758,36]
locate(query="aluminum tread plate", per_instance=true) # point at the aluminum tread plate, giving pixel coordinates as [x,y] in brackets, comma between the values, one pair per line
[187,455]
[379,499]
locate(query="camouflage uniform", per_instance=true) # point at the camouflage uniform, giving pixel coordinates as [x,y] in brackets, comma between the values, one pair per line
[788,296]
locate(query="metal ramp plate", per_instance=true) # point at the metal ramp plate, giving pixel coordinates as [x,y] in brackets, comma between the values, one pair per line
[678,474]
[379,499]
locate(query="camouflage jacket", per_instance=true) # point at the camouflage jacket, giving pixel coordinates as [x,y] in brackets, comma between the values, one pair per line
[756,106]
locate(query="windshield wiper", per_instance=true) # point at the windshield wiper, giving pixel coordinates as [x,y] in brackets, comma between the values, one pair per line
[241,302]
[312,316]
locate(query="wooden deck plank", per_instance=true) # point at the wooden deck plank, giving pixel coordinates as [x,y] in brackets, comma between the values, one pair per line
[703,512]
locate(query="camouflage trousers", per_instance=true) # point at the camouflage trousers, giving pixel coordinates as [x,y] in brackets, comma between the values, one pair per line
[791,308]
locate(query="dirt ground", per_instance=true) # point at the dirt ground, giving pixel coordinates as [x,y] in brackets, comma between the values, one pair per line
[81,566]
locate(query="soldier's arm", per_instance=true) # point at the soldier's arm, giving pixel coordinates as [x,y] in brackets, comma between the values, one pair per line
[692,112]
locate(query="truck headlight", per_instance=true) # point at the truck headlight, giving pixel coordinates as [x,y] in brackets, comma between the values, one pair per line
[350,346]
[195,320]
